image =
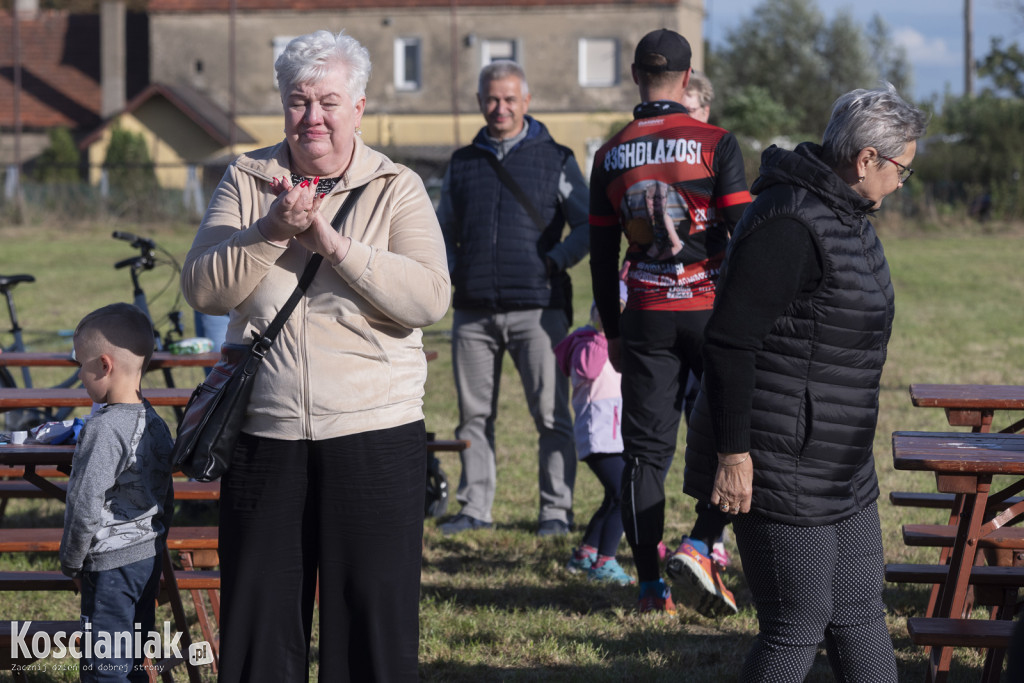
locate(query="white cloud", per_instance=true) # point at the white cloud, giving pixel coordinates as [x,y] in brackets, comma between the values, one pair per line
[926,51]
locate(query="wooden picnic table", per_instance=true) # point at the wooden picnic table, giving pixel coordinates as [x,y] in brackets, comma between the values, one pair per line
[971,405]
[58,398]
[30,461]
[964,464]
[159,361]
[27,457]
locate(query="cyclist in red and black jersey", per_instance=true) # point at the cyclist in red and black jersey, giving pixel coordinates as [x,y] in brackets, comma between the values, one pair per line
[675,186]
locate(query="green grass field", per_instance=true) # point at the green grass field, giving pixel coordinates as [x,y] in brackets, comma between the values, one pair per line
[498,605]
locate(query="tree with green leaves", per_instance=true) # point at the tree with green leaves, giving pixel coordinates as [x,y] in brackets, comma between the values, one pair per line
[60,161]
[1005,66]
[128,165]
[786,55]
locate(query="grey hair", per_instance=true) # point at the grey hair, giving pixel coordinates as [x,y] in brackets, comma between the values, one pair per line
[701,87]
[309,58]
[499,69]
[871,118]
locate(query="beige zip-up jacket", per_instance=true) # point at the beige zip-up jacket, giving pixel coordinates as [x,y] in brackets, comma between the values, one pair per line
[350,358]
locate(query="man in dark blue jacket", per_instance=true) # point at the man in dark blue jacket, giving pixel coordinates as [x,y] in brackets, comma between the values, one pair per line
[504,204]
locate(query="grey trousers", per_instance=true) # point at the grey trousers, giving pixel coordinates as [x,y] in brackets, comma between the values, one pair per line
[479,342]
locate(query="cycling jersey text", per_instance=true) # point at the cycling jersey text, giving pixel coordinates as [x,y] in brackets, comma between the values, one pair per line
[638,153]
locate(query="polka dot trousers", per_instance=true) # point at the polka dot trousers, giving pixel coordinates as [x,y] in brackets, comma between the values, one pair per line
[814,584]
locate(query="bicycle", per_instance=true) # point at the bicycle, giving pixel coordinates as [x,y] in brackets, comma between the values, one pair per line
[22,419]
[150,256]
[147,260]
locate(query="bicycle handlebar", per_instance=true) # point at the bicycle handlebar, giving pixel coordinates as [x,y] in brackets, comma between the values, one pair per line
[137,242]
[124,263]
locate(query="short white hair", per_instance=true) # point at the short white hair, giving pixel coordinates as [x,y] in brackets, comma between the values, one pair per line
[877,118]
[309,58]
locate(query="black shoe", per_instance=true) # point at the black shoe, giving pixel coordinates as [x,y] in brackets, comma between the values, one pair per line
[552,527]
[461,522]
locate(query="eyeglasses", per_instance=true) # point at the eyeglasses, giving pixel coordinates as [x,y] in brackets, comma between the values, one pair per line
[905,171]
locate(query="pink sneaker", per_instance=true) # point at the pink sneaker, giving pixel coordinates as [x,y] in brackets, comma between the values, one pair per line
[720,555]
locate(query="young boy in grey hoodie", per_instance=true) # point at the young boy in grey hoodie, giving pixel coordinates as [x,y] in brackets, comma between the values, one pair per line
[120,499]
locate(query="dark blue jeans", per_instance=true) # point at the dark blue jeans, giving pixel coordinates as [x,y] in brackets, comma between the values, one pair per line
[113,601]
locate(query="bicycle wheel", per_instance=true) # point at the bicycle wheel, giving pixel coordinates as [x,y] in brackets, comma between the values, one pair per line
[16,420]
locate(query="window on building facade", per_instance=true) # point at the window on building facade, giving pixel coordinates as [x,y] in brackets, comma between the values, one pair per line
[598,62]
[408,60]
[499,48]
[280,43]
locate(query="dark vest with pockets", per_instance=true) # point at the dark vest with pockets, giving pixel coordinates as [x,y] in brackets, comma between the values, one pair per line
[815,401]
[499,264]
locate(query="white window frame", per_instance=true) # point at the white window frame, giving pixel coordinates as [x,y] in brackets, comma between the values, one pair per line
[405,81]
[485,50]
[279,44]
[586,79]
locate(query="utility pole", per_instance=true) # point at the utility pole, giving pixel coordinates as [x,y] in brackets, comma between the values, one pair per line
[968,48]
[19,208]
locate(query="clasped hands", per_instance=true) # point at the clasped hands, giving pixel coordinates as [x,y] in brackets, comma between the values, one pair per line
[295,213]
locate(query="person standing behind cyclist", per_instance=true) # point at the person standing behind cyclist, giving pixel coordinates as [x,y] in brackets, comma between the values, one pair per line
[676,187]
[512,292]
[697,100]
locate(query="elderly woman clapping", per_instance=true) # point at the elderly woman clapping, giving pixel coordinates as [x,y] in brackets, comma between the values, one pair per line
[782,432]
[328,478]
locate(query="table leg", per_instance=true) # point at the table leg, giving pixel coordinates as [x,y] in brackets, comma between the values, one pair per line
[953,593]
[178,610]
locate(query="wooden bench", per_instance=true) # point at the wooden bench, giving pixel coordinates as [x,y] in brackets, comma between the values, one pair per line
[943,535]
[938,501]
[63,398]
[982,575]
[183,490]
[993,586]
[159,361]
[56,581]
[992,635]
[47,540]
[978,633]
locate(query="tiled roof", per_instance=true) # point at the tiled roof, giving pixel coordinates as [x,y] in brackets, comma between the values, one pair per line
[158,6]
[60,67]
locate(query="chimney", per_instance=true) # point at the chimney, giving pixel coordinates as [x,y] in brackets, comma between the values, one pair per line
[112,57]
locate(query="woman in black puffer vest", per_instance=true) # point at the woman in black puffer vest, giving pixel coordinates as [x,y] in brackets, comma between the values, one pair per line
[782,432]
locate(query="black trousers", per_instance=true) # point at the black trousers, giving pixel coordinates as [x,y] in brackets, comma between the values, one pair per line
[659,350]
[349,510]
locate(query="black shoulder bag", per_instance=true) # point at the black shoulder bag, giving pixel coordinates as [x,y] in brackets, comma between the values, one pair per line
[209,429]
[505,177]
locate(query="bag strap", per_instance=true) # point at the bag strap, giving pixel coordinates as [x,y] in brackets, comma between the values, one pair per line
[514,188]
[267,338]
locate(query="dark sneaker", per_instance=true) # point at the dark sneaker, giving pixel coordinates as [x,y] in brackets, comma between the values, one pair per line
[552,527]
[655,596]
[460,523]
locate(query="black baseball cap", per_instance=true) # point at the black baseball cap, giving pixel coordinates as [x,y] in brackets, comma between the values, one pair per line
[662,50]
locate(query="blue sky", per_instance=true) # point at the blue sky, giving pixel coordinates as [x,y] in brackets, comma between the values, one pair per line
[932,31]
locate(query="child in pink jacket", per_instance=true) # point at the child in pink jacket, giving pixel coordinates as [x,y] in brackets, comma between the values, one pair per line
[597,402]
